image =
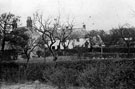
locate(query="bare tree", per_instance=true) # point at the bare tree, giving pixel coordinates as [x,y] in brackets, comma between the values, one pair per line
[122,36]
[28,49]
[64,33]
[127,34]
[90,36]
[8,22]
[21,39]
[47,32]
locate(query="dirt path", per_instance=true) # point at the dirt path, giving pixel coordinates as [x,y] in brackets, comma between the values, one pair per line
[32,86]
[27,86]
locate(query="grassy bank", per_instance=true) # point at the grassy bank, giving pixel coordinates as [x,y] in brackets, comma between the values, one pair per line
[96,74]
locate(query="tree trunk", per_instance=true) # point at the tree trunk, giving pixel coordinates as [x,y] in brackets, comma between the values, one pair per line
[3,40]
[91,48]
[28,58]
[2,48]
[44,55]
[3,45]
[53,54]
[26,66]
[128,50]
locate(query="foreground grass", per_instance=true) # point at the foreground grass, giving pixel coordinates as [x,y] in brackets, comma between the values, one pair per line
[94,74]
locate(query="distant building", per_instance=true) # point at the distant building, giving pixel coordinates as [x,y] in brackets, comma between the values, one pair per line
[30,30]
[29,22]
[79,40]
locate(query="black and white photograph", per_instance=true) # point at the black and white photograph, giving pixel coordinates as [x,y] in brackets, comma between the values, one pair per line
[67,44]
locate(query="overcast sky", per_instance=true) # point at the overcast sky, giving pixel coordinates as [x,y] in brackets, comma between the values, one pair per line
[96,14]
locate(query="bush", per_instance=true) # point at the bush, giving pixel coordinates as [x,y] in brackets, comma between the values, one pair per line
[39,53]
[61,77]
[95,74]
[9,71]
[90,79]
[109,75]
[124,78]
[8,55]
[24,56]
[34,72]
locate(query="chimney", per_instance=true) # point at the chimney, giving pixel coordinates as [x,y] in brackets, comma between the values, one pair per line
[14,24]
[29,22]
[84,26]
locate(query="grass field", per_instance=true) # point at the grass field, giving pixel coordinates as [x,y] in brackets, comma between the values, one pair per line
[66,58]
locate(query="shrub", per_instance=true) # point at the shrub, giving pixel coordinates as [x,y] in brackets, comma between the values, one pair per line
[90,79]
[124,78]
[9,71]
[39,53]
[109,75]
[23,56]
[34,72]
[95,74]
[61,77]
